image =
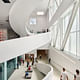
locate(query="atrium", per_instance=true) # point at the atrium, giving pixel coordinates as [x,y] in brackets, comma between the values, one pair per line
[38,38]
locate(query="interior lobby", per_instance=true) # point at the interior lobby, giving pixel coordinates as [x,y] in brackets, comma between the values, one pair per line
[38,38]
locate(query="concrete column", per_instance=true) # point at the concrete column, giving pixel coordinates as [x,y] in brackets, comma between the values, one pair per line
[5,70]
[35,54]
[23,56]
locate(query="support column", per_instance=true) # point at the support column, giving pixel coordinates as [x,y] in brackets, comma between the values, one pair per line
[74,11]
[16,62]
[79,15]
[5,70]
[35,55]
[58,27]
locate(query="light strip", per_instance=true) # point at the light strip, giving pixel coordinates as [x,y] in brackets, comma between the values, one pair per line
[40,13]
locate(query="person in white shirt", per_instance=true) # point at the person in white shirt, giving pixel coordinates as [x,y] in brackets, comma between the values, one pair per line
[77,76]
[64,75]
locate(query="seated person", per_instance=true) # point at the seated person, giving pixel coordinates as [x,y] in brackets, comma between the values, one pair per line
[29,68]
[26,74]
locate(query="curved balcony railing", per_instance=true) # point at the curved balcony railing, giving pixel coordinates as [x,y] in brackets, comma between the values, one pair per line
[47,70]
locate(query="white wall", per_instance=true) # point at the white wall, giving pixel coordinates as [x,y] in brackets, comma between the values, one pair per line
[41,23]
[33,52]
[12,48]
[46,47]
[59,60]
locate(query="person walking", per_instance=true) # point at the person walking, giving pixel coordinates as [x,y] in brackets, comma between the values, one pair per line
[64,75]
[32,61]
[77,76]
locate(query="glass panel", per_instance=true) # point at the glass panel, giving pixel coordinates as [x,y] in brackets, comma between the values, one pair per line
[32,21]
[67,46]
[66,20]
[58,40]
[78,43]
[10,67]
[55,31]
[73,43]
[74,26]
[1,71]
[52,8]
[77,21]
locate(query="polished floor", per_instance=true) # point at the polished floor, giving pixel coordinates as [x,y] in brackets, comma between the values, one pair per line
[19,74]
[36,75]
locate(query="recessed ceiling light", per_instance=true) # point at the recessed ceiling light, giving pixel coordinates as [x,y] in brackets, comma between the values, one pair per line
[40,13]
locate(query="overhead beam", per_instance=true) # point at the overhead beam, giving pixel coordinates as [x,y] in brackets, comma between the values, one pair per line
[72,17]
[56,3]
[56,37]
[61,9]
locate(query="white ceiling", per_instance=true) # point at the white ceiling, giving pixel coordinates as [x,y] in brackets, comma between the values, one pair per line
[5,7]
[19,13]
[4,10]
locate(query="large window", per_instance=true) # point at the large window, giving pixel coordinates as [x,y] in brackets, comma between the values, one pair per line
[53,6]
[74,39]
[73,42]
[32,21]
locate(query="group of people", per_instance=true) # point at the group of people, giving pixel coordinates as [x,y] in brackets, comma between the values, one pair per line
[30,61]
[64,75]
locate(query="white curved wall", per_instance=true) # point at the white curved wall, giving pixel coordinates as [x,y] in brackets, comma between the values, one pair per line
[22,9]
[20,12]
[47,70]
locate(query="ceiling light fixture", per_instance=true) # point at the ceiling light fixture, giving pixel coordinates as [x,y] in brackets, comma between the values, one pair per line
[40,13]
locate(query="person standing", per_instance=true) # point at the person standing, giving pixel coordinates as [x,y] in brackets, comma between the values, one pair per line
[77,76]
[49,60]
[74,77]
[40,56]
[27,63]
[17,65]
[32,61]
[64,75]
